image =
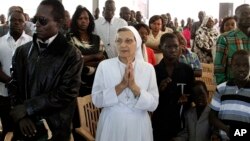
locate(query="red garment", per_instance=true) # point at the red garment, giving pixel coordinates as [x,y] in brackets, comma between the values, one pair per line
[187,34]
[151,56]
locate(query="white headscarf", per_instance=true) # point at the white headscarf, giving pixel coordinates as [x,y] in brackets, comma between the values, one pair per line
[205,20]
[138,53]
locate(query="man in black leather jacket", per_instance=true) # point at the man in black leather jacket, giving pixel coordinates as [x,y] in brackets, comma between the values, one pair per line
[45,79]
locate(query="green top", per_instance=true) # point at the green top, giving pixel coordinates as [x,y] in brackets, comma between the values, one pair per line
[227,44]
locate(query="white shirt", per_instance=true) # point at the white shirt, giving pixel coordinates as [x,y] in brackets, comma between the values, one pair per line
[107,32]
[7,48]
[155,41]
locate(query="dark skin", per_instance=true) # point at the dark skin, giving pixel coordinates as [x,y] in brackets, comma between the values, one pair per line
[242,18]
[240,70]
[4,77]
[155,29]
[97,12]
[16,26]
[200,99]
[170,50]
[125,13]
[201,16]
[109,10]
[17,23]
[44,32]
[200,96]
[183,50]
[197,73]
[83,23]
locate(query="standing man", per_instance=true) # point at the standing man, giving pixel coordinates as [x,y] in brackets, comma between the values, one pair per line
[96,14]
[138,17]
[8,44]
[2,19]
[45,79]
[66,25]
[230,42]
[196,25]
[125,13]
[107,28]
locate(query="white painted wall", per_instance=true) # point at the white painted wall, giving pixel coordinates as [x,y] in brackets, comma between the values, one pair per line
[30,6]
[177,8]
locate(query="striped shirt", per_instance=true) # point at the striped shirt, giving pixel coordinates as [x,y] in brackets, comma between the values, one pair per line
[232,103]
[227,44]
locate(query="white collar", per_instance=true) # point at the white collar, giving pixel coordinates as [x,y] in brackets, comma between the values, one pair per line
[49,41]
[111,21]
[10,37]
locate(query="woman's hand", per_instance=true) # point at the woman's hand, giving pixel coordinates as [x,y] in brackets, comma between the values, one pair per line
[125,80]
[124,83]
[131,81]
[128,81]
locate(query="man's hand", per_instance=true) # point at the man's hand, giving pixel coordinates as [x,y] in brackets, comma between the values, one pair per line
[183,99]
[164,83]
[27,127]
[18,112]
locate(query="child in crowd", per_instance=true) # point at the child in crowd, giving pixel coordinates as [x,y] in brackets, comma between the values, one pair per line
[175,82]
[228,24]
[230,106]
[197,126]
[188,57]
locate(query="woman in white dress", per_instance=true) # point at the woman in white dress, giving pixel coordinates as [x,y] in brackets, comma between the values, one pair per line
[125,88]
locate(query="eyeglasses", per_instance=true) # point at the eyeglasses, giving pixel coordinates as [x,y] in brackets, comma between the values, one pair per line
[41,20]
[127,41]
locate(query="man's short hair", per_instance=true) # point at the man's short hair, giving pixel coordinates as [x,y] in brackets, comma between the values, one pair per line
[57,11]
[14,12]
[240,53]
[109,1]
[167,36]
[239,7]
[13,9]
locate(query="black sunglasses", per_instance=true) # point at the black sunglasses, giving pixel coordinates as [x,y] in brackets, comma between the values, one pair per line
[41,20]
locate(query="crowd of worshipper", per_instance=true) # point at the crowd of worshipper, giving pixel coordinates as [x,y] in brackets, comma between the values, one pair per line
[143,76]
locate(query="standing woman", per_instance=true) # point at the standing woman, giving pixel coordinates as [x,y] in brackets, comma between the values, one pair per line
[148,53]
[187,32]
[124,93]
[155,25]
[81,36]
[205,40]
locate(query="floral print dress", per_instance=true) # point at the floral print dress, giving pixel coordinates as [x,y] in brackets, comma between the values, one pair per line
[205,42]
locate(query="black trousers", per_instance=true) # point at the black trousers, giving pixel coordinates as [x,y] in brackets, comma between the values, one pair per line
[7,122]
